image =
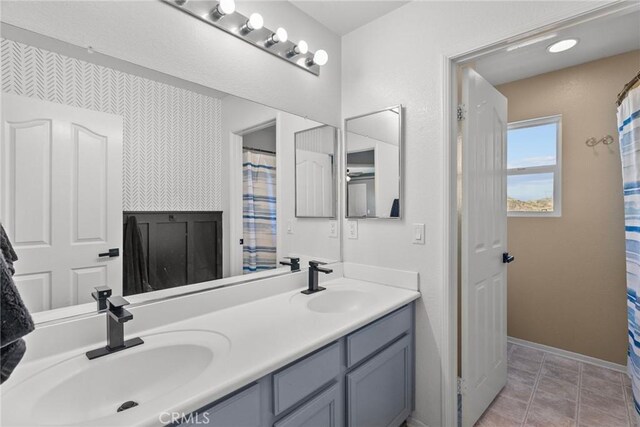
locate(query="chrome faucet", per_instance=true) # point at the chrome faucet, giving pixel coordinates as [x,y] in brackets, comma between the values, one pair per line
[117,316]
[313,277]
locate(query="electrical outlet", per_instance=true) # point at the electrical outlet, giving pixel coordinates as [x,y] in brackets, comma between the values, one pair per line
[352,229]
[418,234]
[333,228]
[289,227]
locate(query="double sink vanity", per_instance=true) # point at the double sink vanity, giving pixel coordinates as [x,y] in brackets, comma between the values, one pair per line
[260,353]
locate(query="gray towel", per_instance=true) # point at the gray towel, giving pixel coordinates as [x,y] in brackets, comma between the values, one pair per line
[135,279]
[9,254]
[15,320]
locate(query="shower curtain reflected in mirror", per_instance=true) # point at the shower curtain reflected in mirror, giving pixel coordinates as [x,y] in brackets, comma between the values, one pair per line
[259,211]
[629,129]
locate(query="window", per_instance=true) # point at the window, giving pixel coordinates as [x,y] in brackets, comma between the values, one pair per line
[533,167]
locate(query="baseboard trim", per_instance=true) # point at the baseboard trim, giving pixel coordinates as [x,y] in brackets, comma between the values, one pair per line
[413,422]
[569,354]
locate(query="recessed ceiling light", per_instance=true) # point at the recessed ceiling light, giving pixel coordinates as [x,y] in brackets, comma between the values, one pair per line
[562,45]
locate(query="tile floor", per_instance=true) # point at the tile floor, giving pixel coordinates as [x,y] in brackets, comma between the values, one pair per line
[547,390]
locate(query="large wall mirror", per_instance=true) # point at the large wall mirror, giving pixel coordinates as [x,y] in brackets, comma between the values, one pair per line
[373,156]
[315,160]
[119,176]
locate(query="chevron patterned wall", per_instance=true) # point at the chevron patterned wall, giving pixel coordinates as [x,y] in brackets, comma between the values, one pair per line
[172,154]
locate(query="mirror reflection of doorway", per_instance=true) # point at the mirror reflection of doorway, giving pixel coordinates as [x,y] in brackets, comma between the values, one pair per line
[259,220]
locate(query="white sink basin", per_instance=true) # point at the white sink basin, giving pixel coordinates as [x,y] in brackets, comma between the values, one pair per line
[337,301]
[79,391]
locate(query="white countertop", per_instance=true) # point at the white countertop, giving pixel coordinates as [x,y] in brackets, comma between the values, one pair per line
[264,335]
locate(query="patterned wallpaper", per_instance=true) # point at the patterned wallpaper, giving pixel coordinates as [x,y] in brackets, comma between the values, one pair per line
[172,154]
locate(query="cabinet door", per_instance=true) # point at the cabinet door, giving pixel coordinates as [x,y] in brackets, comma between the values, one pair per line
[323,411]
[380,392]
[241,410]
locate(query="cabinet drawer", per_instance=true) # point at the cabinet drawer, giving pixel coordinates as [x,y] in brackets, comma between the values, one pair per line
[298,381]
[367,340]
[240,410]
[380,392]
[325,410]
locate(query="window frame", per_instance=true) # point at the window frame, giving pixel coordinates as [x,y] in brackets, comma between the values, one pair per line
[556,169]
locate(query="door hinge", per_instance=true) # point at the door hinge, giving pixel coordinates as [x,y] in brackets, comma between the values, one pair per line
[462,388]
[461,112]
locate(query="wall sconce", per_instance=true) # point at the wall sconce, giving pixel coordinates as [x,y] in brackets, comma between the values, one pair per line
[251,29]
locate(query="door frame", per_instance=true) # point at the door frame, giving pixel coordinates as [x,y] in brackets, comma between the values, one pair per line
[451,261]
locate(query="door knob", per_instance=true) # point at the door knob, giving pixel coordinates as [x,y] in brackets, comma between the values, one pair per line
[506,258]
[111,254]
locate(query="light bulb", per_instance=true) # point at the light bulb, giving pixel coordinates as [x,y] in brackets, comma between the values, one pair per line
[302,47]
[255,21]
[226,7]
[562,45]
[281,35]
[320,57]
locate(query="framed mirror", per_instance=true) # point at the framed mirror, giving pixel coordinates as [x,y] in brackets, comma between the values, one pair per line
[315,161]
[373,163]
[154,186]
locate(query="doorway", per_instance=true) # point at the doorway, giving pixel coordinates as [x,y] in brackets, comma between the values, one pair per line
[259,219]
[534,194]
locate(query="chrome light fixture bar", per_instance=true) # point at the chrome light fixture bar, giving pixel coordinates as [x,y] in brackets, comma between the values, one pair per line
[251,30]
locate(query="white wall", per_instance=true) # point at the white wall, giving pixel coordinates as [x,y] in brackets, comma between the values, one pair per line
[399,58]
[156,35]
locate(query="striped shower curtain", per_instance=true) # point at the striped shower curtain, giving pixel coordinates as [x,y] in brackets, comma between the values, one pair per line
[259,211]
[629,130]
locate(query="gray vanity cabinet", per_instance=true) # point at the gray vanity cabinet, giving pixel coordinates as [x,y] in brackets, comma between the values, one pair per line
[364,379]
[379,393]
[326,410]
[243,409]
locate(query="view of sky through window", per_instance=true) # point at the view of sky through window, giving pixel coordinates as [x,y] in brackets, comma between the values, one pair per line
[532,146]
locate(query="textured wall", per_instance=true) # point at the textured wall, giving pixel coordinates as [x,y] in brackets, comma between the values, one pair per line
[567,288]
[172,154]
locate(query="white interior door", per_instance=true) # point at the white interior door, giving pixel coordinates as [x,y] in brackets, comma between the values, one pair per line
[61,199]
[484,237]
[357,199]
[314,184]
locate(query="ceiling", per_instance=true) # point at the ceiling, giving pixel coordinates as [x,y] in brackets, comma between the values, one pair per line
[342,17]
[597,39]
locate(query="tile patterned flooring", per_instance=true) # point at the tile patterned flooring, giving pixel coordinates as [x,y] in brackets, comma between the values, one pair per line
[547,390]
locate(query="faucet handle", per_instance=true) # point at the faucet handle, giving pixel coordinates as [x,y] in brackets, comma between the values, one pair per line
[316,263]
[116,310]
[100,295]
[294,263]
[117,302]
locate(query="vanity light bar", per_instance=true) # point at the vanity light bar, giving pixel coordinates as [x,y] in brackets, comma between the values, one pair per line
[222,15]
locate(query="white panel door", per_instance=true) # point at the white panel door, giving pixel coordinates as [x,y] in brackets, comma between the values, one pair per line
[484,237]
[61,200]
[357,199]
[314,189]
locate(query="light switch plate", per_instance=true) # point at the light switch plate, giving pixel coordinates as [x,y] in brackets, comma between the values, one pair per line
[418,234]
[289,227]
[333,228]
[352,229]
